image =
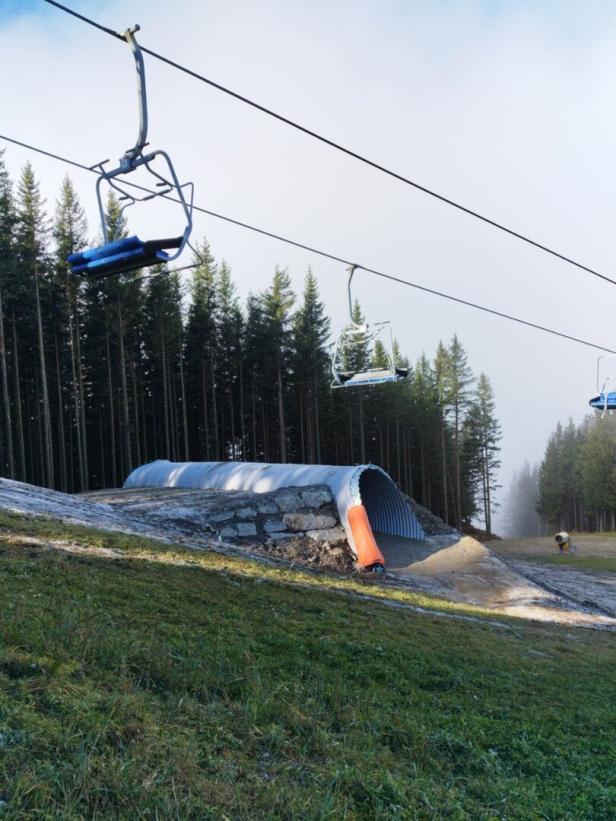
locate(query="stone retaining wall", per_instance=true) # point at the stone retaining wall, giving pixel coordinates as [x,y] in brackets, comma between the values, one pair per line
[235,515]
[282,514]
[297,523]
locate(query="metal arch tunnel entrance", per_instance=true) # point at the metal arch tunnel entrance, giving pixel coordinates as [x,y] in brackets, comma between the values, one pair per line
[366,497]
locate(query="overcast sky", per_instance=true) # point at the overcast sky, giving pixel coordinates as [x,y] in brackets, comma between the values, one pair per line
[507,107]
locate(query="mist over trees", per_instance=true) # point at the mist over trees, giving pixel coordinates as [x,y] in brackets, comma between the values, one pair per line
[577,477]
[521,518]
[98,376]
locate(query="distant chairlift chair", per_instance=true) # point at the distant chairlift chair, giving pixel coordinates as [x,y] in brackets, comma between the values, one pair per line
[355,334]
[131,253]
[605,400]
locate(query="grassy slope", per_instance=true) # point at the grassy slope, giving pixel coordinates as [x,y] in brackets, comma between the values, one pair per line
[593,564]
[594,552]
[153,689]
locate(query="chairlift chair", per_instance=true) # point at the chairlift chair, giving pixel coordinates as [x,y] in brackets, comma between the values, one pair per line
[605,400]
[132,253]
[361,333]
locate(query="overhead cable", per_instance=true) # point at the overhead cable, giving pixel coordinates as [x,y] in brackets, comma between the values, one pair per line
[338,147]
[311,249]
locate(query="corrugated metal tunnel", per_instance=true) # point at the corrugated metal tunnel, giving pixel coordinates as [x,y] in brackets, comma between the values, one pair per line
[366,497]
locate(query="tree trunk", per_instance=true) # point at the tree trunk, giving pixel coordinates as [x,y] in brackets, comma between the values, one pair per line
[61,436]
[101,443]
[165,387]
[422,468]
[232,420]
[21,444]
[114,467]
[206,423]
[144,428]
[214,408]
[301,426]
[173,404]
[362,433]
[350,435]
[444,470]
[242,412]
[398,454]
[48,443]
[126,438]
[133,373]
[458,472]
[281,419]
[6,399]
[253,403]
[76,394]
[183,400]
[264,433]
[82,404]
[317,423]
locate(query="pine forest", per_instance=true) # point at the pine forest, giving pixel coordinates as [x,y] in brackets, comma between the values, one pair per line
[99,376]
[577,477]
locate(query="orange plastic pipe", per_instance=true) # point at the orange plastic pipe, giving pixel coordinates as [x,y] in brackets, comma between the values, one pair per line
[366,548]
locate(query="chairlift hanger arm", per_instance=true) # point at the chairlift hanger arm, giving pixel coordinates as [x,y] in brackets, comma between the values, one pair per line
[599,361]
[351,270]
[142,136]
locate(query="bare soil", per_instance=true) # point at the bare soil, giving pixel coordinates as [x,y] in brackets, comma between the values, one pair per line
[582,575]
[468,571]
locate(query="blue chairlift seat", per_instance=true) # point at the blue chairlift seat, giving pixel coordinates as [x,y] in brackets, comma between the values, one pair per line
[375,376]
[604,401]
[121,256]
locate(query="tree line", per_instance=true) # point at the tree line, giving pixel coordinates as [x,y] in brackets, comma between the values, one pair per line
[99,376]
[577,477]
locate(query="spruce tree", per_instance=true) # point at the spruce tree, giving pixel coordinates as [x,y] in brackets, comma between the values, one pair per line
[257,387]
[482,447]
[70,236]
[443,383]
[278,301]
[460,384]
[163,420]
[8,219]
[426,428]
[229,330]
[33,295]
[550,503]
[200,357]
[311,370]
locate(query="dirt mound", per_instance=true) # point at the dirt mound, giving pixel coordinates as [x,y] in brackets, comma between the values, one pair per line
[324,555]
[462,556]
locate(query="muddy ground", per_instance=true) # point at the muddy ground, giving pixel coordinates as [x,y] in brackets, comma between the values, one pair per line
[586,575]
[511,577]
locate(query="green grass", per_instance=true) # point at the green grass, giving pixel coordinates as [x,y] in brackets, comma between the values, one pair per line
[147,687]
[593,564]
